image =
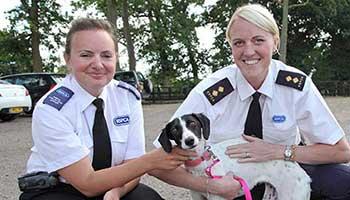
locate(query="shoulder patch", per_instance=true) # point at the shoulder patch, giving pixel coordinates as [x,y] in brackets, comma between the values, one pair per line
[291,79]
[218,91]
[58,97]
[130,88]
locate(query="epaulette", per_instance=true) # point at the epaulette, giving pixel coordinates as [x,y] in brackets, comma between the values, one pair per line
[218,91]
[58,97]
[291,79]
[130,88]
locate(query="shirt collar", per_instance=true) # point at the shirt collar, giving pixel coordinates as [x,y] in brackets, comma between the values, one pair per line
[268,84]
[85,98]
[245,90]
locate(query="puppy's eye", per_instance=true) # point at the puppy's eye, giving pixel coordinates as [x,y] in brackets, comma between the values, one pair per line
[192,125]
[173,131]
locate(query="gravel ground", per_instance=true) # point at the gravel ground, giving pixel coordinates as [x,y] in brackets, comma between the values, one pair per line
[15,144]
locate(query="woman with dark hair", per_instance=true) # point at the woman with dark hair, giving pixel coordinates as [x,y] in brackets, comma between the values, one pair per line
[88,131]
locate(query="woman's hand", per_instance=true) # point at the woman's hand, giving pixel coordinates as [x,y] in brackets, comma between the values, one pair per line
[227,186]
[256,150]
[113,194]
[169,161]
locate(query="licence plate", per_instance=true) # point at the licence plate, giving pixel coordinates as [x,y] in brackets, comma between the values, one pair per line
[16,110]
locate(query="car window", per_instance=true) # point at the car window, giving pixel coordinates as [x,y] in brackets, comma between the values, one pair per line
[29,81]
[42,81]
[140,76]
[58,77]
[4,82]
[125,76]
[11,80]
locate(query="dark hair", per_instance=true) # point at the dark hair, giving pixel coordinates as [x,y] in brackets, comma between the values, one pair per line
[84,24]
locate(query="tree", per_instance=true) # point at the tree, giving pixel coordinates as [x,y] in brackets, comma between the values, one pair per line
[217,17]
[170,43]
[41,23]
[113,10]
[15,56]
[284,32]
[317,39]
[127,34]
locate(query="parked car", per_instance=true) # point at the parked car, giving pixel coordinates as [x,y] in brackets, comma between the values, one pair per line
[14,99]
[136,79]
[36,83]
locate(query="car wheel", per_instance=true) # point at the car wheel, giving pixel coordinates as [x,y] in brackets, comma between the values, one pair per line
[6,118]
[29,112]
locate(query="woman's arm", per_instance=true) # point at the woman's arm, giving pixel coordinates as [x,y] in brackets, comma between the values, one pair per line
[260,151]
[121,191]
[91,183]
[226,187]
[323,153]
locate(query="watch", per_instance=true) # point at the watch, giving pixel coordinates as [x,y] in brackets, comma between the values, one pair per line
[289,152]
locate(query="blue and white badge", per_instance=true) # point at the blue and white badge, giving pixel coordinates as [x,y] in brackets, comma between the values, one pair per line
[278,118]
[59,97]
[121,120]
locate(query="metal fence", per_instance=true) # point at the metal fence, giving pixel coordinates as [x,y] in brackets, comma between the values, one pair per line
[161,94]
[334,88]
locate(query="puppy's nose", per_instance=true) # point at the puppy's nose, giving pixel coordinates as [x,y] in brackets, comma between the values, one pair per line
[189,141]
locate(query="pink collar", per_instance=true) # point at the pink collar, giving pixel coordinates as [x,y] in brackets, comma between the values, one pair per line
[245,188]
[196,162]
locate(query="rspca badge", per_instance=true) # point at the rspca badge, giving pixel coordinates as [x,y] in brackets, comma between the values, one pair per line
[291,79]
[218,91]
[59,97]
[121,120]
[278,118]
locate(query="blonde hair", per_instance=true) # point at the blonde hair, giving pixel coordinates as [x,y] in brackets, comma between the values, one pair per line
[257,15]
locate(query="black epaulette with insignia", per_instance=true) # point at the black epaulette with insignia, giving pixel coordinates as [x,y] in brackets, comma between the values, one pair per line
[58,97]
[218,91]
[130,88]
[291,79]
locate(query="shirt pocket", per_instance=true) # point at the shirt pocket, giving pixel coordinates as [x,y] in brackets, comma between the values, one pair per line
[119,142]
[280,132]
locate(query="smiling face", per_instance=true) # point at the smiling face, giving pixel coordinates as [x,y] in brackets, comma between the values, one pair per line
[252,49]
[92,59]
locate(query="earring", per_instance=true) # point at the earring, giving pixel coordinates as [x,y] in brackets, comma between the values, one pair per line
[275,51]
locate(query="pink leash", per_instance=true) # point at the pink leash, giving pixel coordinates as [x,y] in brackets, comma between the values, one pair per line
[248,195]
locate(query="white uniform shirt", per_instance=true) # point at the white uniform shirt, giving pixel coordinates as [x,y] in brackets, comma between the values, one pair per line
[286,111]
[64,136]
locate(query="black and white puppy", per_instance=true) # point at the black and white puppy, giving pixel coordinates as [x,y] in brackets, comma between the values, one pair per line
[284,180]
[186,131]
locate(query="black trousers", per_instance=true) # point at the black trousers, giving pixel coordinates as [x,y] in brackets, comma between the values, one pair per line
[329,182]
[68,192]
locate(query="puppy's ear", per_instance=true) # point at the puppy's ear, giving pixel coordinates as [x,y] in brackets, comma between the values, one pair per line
[205,122]
[165,141]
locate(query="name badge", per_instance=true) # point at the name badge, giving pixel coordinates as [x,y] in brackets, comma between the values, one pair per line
[121,120]
[278,118]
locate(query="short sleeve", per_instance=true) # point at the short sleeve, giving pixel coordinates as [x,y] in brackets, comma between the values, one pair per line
[315,120]
[54,138]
